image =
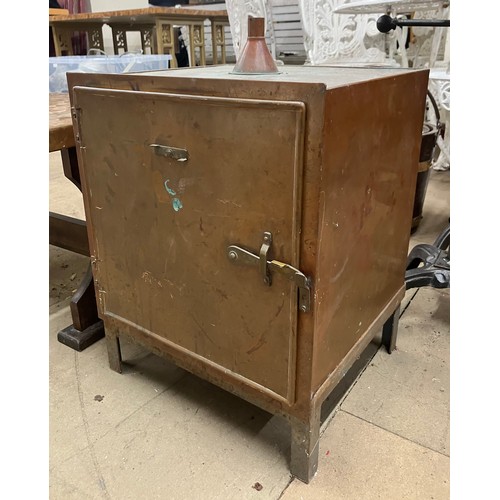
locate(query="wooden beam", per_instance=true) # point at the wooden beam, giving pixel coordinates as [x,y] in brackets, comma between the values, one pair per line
[68,233]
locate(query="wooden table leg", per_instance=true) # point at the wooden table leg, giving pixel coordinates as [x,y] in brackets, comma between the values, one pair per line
[62,41]
[165,40]
[87,328]
[218,40]
[197,43]
[119,35]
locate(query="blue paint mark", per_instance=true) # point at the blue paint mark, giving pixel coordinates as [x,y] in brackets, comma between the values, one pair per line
[176,204]
[169,190]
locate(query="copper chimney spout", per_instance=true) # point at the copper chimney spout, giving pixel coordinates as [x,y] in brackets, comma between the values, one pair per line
[255,57]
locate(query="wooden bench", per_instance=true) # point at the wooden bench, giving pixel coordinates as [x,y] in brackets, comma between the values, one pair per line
[70,233]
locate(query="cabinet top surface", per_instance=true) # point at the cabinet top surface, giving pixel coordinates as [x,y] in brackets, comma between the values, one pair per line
[330,76]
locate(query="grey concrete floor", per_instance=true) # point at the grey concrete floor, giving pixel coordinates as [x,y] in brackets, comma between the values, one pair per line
[158,432]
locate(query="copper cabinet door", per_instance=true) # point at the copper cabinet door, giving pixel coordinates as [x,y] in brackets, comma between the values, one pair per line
[170,182]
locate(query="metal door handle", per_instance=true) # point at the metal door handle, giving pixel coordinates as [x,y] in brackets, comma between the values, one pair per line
[170,152]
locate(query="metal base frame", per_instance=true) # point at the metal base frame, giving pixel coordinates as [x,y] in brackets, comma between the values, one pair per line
[305,435]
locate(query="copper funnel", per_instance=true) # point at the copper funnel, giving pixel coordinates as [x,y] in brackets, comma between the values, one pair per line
[255,57]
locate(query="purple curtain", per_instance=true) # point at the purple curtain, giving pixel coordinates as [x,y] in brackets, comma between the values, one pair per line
[79,39]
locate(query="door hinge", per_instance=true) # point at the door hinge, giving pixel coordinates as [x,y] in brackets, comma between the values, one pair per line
[75,114]
[238,255]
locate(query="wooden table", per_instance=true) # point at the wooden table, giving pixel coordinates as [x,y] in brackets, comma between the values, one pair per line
[52,13]
[155,25]
[70,233]
[58,12]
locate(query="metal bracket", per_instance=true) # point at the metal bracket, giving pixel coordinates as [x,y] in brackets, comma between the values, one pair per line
[239,255]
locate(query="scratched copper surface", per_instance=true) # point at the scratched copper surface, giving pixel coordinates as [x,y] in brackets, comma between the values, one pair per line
[162,227]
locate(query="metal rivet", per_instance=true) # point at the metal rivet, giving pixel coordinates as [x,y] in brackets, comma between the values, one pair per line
[303,308]
[233,255]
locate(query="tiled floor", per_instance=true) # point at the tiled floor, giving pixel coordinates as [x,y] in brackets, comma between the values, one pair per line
[157,432]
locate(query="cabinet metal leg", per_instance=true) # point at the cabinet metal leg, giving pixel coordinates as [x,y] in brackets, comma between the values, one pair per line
[390,331]
[305,447]
[114,351]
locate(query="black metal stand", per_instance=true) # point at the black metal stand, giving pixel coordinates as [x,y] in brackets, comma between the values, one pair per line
[429,265]
[387,23]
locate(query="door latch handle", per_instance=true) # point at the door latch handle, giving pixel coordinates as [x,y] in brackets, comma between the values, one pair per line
[264,271]
[239,255]
[170,152]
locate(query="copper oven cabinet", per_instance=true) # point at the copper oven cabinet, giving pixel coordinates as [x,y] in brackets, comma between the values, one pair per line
[252,229]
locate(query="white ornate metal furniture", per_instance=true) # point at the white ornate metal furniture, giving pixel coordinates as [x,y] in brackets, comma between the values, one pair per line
[428,47]
[238,12]
[284,33]
[376,8]
[350,38]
